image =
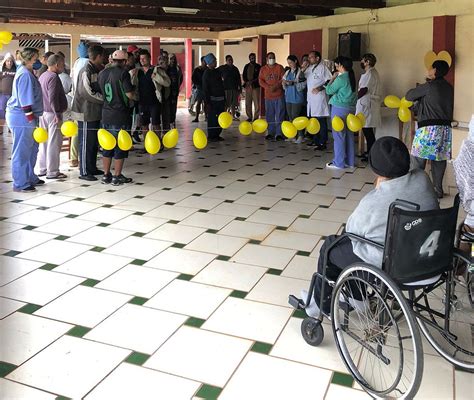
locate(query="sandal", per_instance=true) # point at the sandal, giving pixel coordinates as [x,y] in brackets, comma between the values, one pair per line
[58,176]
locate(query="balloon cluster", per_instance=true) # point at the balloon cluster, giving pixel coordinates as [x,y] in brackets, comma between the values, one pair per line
[5,38]
[68,129]
[402,104]
[354,122]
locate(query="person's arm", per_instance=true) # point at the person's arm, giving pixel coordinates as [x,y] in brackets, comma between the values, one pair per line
[244,75]
[25,95]
[194,77]
[334,86]
[89,94]
[362,92]
[261,80]
[418,92]
[161,77]
[128,88]
[56,95]
[238,79]
[206,86]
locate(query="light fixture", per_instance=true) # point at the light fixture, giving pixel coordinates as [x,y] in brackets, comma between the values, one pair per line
[180,10]
[146,22]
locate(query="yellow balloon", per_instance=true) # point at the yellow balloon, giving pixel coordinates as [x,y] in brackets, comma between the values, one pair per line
[152,142]
[301,123]
[392,101]
[69,128]
[5,37]
[405,103]
[170,139]
[337,124]
[353,123]
[40,135]
[361,118]
[1,46]
[199,139]
[224,119]
[106,140]
[245,128]
[404,114]
[124,140]
[313,126]
[260,125]
[288,129]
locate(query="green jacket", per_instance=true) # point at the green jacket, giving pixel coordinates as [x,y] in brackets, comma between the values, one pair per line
[341,91]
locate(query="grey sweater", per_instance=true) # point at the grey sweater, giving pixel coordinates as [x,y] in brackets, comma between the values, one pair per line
[369,219]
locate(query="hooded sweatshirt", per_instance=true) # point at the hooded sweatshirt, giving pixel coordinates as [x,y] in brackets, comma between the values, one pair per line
[7,76]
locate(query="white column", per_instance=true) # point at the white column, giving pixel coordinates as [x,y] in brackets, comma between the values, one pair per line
[75,40]
[220,51]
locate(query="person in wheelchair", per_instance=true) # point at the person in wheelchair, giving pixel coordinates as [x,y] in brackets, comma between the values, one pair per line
[390,161]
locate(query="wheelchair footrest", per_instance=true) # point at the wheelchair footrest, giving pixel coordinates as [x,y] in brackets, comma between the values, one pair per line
[296,303]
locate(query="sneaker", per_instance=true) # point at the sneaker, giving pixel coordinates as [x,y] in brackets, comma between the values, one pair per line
[195,120]
[107,178]
[279,138]
[269,137]
[39,182]
[332,166]
[299,140]
[136,137]
[88,178]
[28,189]
[321,147]
[120,180]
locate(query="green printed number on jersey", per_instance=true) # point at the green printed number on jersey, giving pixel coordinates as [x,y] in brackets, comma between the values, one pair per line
[108,92]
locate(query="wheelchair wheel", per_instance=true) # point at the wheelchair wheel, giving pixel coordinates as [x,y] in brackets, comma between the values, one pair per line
[312,331]
[449,307]
[377,336]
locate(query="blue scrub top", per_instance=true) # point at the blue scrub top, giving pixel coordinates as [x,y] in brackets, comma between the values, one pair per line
[292,95]
[26,91]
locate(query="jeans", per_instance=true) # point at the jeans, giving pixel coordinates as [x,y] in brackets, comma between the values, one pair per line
[275,114]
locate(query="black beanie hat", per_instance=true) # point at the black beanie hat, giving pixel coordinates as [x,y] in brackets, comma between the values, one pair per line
[389,157]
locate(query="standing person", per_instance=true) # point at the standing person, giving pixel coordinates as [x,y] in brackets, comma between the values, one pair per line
[176,76]
[44,64]
[270,79]
[162,83]
[117,89]
[342,87]
[369,99]
[252,88]
[294,92]
[54,104]
[317,75]
[135,52]
[214,96]
[87,111]
[24,108]
[197,82]
[7,74]
[435,112]
[232,85]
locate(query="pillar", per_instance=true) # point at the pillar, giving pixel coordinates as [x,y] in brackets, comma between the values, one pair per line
[154,49]
[329,43]
[188,66]
[262,60]
[75,40]
[444,38]
[220,52]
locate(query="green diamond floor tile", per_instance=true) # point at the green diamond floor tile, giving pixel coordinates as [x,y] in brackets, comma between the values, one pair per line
[273,271]
[78,331]
[12,253]
[212,231]
[139,213]
[98,249]
[238,293]
[72,216]
[209,392]
[90,282]
[173,221]
[62,237]
[240,219]
[137,358]
[261,347]
[185,277]
[299,314]
[103,225]
[254,241]
[138,234]
[195,322]
[223,258]
[339,378]
[303,253]
[137,261]
[178,245]
[29,227]
[48,267]
[62,398]
[29,308]
[107,205]
[6,368]
[139,301]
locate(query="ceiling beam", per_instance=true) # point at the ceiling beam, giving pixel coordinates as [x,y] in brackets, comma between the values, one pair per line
[331,3]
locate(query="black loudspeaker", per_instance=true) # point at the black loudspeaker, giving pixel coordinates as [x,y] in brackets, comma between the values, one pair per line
[349,45]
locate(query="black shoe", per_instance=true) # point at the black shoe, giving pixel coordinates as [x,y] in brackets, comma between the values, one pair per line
[268,137]
[312,144]
[120,180]
[28,189]
[321,147]
[107,178]
[279,138]
[364,159]
[195,120]
[98,172]
[136,137]
[39,182]
[87,177]
[220,139]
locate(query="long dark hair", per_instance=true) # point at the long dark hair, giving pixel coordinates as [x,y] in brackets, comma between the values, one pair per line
[293,58]
[346,63]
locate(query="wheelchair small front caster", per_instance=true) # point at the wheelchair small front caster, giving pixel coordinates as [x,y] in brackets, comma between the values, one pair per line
[312,331]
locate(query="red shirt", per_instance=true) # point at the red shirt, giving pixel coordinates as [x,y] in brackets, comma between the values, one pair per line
[270,78]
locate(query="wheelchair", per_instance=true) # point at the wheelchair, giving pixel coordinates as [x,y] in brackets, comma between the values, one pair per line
[377,314]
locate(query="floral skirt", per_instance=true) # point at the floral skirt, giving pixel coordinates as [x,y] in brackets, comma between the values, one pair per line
[432,143]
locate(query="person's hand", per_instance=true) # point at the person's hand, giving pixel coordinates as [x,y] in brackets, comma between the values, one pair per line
[57,119]
[315,90]
[305,65]
[335,75]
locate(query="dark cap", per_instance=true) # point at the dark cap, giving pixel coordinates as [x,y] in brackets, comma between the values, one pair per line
[389,157]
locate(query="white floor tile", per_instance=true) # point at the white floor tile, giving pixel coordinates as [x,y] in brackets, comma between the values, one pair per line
[8,306]
[437,370]
[55,252]
[329,214]
[84,306]
[138,205]
[176,233]
[316,199]
[11,209]
[337,392]
[137,281]
[249,230]
[258,200]
[75,207]
[292,240]
[217,244]
[234,209]
[110,198]
[210,357]
[24,335]
[249,319]
[171,212]
[301,267]
[12,268]
[100,236]
[7,227]
[66,226]
[207,221]
[168,195]
[464,385]
[70,366]
[201,202]
[105,215]
[347,205]
[132,382]
[264,377]
[264,256]
[137,328]
[294,207]
[138,223]
[22,239]
[47,200]
[39,286]
[15,391]
[35,217]
[138,248]
[315,226]
[181,260]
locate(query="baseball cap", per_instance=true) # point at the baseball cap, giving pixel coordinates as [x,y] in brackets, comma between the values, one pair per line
[132,48]
[120,55]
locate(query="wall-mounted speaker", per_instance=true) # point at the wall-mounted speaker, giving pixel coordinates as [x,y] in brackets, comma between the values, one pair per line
[349,45]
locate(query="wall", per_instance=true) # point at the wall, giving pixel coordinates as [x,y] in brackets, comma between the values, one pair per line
[281,48]
[240,52]
[303,42]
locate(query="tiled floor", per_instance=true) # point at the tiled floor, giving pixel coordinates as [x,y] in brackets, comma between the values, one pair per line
[176,286]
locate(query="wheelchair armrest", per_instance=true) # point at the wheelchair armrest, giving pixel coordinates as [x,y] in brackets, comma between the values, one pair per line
[365,240]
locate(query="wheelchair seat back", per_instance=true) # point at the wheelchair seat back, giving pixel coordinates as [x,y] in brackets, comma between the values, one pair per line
[419,244]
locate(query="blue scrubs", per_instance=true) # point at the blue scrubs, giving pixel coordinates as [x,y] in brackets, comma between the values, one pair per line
[26,91]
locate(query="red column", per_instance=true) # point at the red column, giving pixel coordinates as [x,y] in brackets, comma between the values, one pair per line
[303,42]
[155,49]
[262,60]
[444,38]
[188,66]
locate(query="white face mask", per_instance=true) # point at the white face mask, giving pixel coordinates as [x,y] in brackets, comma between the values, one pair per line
[271,61]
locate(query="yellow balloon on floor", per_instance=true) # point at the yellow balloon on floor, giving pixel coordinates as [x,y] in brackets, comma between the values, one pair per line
[260,125]
[301,123]
[404,114]
[392,101]
[288,129]
[170,139]
[337,124]
[5,37]
[106,140]
[353,123]
[224,119]
[245,128]
[152,142]
[313,126]
[199,139]
[40,135]
[405,103]
[69,128]
[124,140]
[361,118]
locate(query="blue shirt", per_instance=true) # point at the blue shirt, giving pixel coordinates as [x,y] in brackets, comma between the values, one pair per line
[292,95]
[26,91]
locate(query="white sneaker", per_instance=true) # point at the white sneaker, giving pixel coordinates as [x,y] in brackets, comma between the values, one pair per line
[299,140]
[332,166]
[312,309]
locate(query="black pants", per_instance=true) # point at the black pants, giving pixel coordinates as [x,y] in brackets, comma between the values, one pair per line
[340,256]
[165,115]
[369,134]
[173,108]
[213,128]
[88,147]
[437,172]
[321,138]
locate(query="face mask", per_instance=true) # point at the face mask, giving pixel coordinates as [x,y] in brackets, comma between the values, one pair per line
[37,65]
[271,61]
